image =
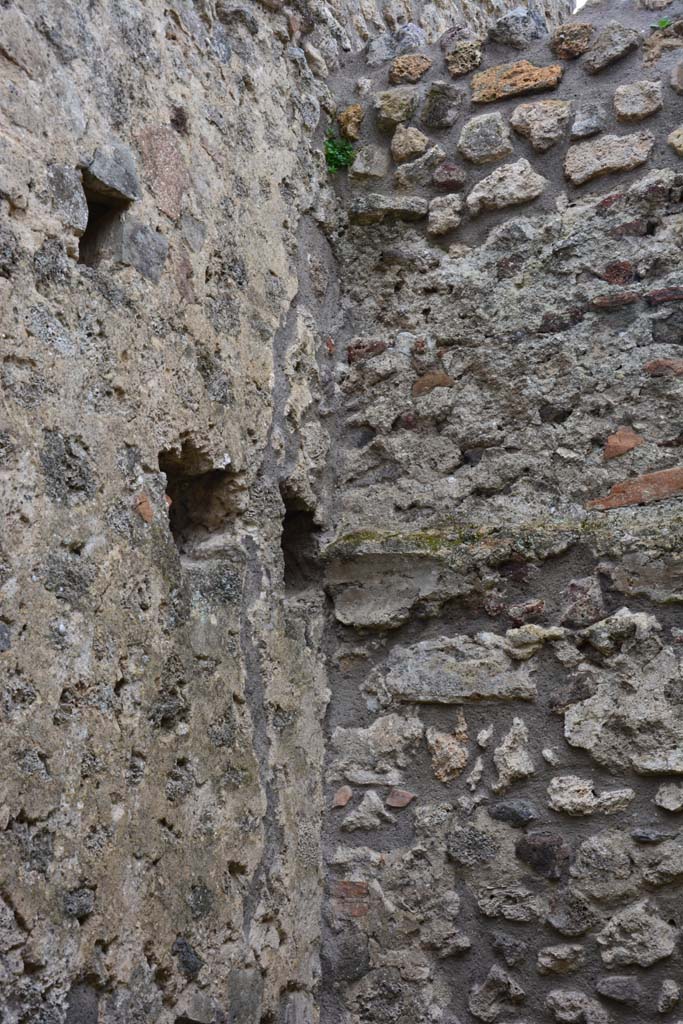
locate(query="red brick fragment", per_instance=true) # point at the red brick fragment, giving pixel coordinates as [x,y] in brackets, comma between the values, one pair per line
[143,507]
[345,889]
[664,367]
[641,490]
[619,272]
[623,440]
[609,201]
[350,898]
[399,798]
[434,379]
[629,229]
[363,350]
[614,300]
[662,295]
[342,796]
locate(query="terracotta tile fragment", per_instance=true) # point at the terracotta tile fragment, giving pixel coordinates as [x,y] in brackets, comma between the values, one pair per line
[664,367]
[641,490]
[143,507]
[342,796]
[434,379]
[399,798]
[623,440]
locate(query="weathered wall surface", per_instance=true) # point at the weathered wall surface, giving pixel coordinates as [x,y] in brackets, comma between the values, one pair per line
[504,753]
[421,559]
[164,295]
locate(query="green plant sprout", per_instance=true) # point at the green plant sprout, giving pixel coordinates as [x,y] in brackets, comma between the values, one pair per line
[662,23]
[338,153]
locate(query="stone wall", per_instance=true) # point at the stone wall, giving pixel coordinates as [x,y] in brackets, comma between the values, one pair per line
[334,686]
[504,753]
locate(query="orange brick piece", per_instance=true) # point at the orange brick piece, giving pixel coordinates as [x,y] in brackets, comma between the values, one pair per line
[143,507]
[514,80]
[623,440]
[641,490]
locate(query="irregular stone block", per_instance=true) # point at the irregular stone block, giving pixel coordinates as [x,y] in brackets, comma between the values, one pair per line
[445,214]
[543,123]
[112,174]
[463,56]
[636,935]
[507,186]
[606,155]
[516,79]
[442,105]
[485,139]
[675,140]
[373,209]
[676,79]
[369,814]
[394,106]
[571,40]
[411,67]
[517,813]
[418,173]
[563,959]
[590,119]
[546,853]
[449,751]
[407,39]
[450,176]
[371,162]
[378,749]
[349,120]
[408,143]
[512,759]
[68,197]
[518,28]
[455,670]
[497,994]
[572,795]
[614,42]
[575,1008]
[511,902]
[670,797]
[638,100]
[669,995]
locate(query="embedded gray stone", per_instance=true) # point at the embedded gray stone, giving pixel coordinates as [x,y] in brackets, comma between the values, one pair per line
[607,154]
[112,174]
[518,28]
[614,42]
[371,162]
[485,139]
[445,214]
[452,670]
[637,100]
[374,208]
[509,185]
[621,988]
[543,123]
[68,197]
[590,119]
[442,105]
[498,993]
[418,173]
[636,935]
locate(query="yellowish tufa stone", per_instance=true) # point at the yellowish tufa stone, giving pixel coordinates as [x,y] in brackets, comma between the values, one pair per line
[514,80]
[409,68]
[675,140]
[350,120]
[408,143]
